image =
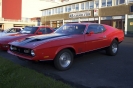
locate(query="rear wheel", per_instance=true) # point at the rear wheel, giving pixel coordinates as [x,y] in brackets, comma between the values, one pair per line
[113,48]
[63,60]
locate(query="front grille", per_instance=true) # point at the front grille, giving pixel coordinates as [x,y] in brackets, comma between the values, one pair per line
[21,50]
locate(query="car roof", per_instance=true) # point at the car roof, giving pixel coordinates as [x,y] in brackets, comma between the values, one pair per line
[82,23]
[37,26]
[17,27]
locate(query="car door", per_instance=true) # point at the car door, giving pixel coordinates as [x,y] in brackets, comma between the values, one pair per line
[94,37]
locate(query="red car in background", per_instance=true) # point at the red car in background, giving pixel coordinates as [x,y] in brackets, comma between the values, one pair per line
[68,41]
[26,32]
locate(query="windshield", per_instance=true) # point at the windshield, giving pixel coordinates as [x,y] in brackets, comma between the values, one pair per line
[71,29]
[13,30]
[29,30]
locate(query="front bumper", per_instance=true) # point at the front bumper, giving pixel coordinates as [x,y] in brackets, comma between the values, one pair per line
[23,56]
[4,47]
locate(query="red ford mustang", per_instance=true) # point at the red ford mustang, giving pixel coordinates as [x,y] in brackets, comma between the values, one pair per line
[68,41]
[26,32]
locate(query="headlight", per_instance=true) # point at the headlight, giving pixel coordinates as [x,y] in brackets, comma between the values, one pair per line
[32,53]
[11,48]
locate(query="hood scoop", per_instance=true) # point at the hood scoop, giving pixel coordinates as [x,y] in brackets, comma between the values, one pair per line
[39,38]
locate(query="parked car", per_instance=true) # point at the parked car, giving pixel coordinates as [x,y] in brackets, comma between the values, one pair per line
[9,31]
[67,41]
[26,32]
[56,28]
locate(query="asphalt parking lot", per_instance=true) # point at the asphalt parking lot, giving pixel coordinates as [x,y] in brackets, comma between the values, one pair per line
[91,70]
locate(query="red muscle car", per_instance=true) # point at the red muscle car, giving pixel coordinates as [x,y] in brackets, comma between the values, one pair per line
[26,32]
[67,41]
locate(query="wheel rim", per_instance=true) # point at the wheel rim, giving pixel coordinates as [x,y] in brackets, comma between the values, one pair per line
[65,60]
[114,48]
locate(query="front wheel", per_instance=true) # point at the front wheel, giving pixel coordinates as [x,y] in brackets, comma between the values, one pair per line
[63,60]
[113,48]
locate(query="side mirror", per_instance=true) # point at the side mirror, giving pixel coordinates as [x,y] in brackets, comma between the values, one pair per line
[39,33]
[90,33]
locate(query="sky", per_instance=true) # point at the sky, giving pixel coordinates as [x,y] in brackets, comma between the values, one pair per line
[31,8]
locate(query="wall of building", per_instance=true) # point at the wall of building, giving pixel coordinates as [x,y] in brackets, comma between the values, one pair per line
[7,25]
[0,8]
[11,9]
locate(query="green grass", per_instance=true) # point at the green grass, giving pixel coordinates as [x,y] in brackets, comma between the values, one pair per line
[16,76]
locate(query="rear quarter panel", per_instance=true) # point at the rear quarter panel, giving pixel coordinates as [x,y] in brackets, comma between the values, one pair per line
[114,33]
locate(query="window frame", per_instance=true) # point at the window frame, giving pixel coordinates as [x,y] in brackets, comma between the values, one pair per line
[102,4]
[90,4]
[97,29]
[95,6]
[130,1]
[83,6]
[87,7]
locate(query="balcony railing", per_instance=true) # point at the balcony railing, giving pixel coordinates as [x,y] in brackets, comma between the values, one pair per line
[11,20]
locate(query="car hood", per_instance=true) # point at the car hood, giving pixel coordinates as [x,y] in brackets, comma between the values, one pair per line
[38,39]
[4,34]
[13,37]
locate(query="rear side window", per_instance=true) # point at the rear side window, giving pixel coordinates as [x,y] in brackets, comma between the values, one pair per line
[48,30]
[96,28]
[101,28]
[45,30]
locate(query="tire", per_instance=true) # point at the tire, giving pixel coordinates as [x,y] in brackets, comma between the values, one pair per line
[63,60]
[112,50]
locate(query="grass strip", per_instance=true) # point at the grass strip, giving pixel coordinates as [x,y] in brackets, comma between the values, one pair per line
[16,76]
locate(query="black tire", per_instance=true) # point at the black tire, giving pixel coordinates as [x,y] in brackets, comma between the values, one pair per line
[112,50]
[63,62]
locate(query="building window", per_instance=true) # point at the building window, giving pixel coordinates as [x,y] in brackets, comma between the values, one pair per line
[58,10]
[82,6]
[130,0]
[69,8]
[77,7]
[49,12]
[43,13]
[103,3]
[55,10]
[96,3]
[52,11]
[131,8]
[73,7]
[109,2]
[117,2]
[46,13]
[86,5]
[91,4]
[61,9]
[121,1]
[66,9]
